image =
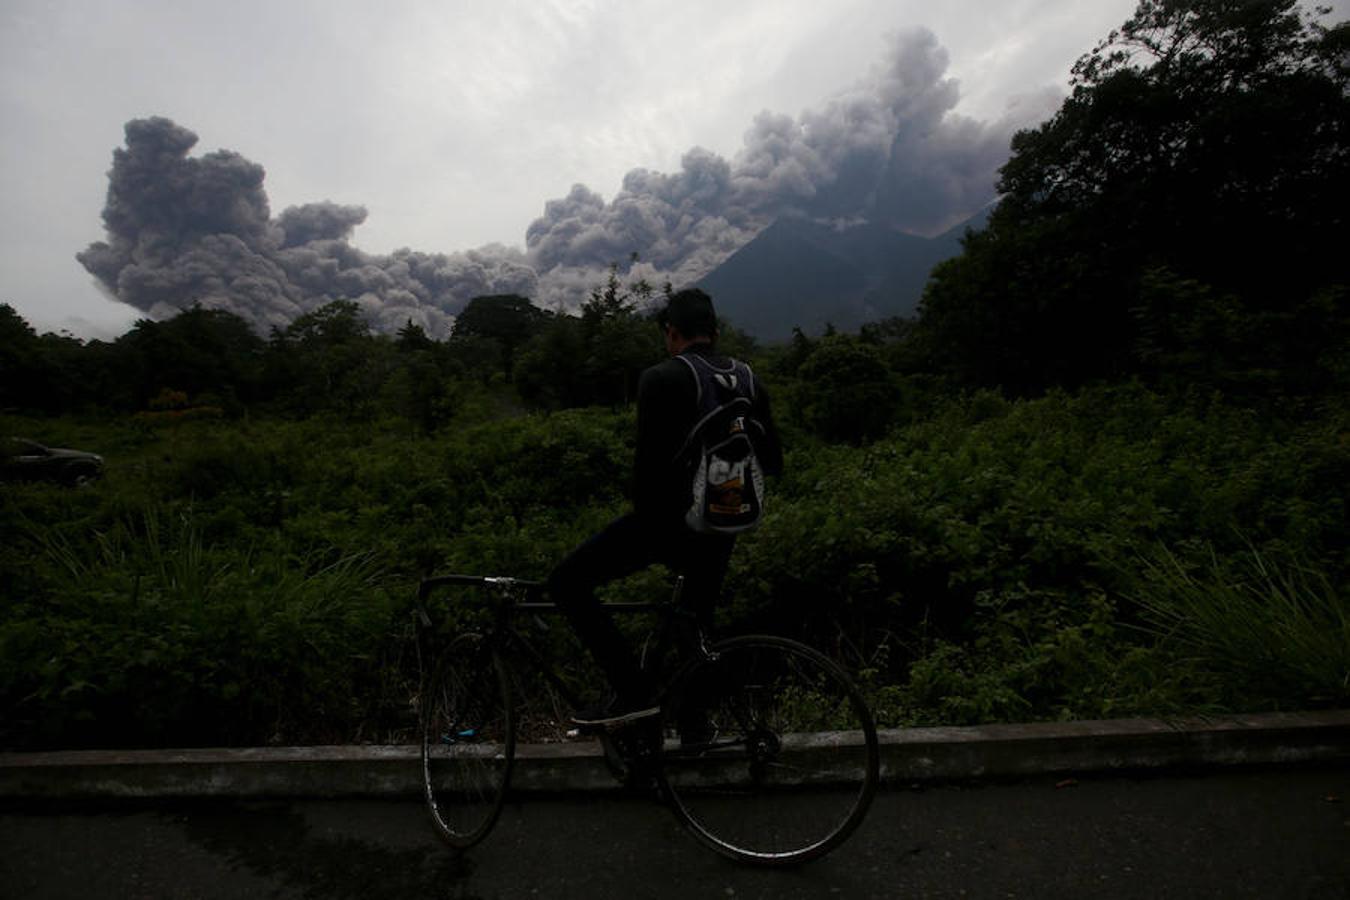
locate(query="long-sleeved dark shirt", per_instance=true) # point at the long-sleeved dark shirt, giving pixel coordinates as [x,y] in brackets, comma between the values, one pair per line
[667,397]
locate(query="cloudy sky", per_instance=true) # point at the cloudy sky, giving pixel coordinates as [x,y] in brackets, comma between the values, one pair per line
[453,123]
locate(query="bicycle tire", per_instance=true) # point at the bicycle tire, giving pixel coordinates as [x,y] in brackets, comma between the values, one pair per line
[789,761]
[468,740]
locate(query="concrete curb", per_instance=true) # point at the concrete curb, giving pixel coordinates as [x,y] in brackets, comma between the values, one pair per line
[907,755]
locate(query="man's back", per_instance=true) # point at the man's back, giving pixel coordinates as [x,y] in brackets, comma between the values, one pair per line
[663,490]
[667,411]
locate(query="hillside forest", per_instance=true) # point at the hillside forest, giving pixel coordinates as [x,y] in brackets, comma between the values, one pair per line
[1102,472]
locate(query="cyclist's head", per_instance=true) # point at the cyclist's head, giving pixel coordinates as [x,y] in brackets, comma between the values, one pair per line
[691,312]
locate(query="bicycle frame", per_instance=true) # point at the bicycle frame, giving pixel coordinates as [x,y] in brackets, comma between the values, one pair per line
[517,596]
[730,763]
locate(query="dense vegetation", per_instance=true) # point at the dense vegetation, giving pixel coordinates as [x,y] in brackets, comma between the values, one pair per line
[1181,216]
[1104,473]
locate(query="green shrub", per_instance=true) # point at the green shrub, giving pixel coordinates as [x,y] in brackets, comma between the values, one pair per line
[147,635]
[970,547]
[249,581]
[1274,630]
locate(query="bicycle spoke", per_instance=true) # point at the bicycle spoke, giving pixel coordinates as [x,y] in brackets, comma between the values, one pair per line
[468,741]
[768,789]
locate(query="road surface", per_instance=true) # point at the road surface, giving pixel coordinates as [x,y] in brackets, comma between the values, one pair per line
[1266,834]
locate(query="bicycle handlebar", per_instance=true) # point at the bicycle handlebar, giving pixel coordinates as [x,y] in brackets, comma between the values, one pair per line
[430,584]
[531,589]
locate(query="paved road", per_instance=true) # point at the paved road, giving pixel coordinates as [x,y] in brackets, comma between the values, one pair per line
[1232,834]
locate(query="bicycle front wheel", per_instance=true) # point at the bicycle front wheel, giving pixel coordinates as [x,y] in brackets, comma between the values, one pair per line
[468,740]
[770,753]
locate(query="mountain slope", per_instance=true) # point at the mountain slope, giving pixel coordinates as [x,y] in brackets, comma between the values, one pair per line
[801,273]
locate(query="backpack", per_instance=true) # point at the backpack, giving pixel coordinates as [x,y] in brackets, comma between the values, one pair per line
[728,482]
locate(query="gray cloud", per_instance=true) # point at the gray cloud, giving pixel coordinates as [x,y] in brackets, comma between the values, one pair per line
[319,222]
[890,150]
[184,230]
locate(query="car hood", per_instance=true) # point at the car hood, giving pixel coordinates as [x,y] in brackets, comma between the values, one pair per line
[65,453]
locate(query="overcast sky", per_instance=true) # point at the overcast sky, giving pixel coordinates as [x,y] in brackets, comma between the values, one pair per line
[451,121]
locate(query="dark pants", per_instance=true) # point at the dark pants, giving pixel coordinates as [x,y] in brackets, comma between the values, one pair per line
[627,545]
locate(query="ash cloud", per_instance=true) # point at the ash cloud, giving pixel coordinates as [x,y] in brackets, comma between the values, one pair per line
[184,230]
[890,150]
[319,222]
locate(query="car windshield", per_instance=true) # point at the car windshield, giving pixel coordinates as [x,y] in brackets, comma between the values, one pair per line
[21,447]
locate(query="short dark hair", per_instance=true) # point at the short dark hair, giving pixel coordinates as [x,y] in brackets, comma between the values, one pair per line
[691,312]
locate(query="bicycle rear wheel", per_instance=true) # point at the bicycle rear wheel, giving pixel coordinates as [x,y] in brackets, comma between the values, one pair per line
[770,753]
[468,740]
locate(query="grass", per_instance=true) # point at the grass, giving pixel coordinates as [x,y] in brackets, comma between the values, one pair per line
[155,632]
[1270,627]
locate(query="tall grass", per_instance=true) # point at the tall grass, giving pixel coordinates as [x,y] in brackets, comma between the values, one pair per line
[247,582]
[1275,629]
[147,631]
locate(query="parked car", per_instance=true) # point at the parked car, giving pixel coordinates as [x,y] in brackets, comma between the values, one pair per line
[25,460]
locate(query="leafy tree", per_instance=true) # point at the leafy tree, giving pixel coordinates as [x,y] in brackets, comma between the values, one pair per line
[614,299]
[734,342]
[56,373]
[480,358]
[795,354]
[330,325]
[420,392]
[327,360]
[199,351]
[596,358]
[15,333]
[548,368]
[18,358]
[412,338]
[1206,138]
[618,348]
[849,394]
[508,319]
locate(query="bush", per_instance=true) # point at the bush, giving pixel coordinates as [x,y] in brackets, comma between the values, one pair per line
[244,582]
[848,393]
[1270,630]
[978,552]
[147,635]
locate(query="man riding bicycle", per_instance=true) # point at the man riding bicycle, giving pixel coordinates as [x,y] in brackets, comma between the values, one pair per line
[673,397]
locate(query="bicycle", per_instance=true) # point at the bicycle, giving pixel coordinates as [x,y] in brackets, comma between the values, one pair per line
[764,748]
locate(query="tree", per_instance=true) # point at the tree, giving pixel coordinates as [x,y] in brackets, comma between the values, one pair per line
[794,354]
[327,360]
[199,351]
[593,359]
[420,392]
[23,374]
[548,370]
[620,341]
[848,393]
[614,299]
[507,319]
[330,325]
[1207,138]
[412,338]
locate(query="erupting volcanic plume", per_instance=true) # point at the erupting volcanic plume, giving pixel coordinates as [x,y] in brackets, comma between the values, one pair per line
[184,230]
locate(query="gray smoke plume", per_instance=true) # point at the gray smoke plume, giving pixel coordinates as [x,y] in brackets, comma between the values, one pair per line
[890,150]
[319,222]
[184,231]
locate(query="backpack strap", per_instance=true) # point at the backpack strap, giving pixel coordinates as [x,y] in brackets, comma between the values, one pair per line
[737,370]
[698,382]
[710,408]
